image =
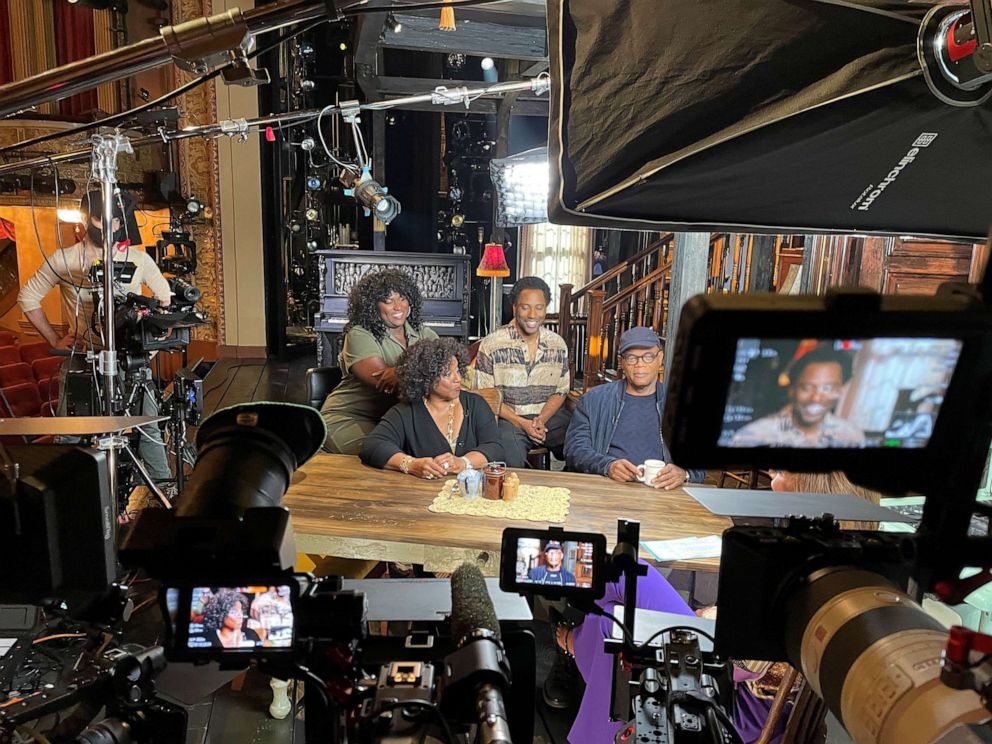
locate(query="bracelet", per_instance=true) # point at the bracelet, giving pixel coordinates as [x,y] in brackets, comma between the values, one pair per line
[468,463]
[405,463]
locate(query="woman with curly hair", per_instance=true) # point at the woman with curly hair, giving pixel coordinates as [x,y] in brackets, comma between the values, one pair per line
[223,618]
[439,429]
[383,321]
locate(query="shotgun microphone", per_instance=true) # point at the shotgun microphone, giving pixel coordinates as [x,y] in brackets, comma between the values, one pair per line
[477,672]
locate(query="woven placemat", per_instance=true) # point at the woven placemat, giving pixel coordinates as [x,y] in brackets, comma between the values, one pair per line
[533,503]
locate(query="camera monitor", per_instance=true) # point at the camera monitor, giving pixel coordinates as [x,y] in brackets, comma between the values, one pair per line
[875,386]
[827,393]
[553,563]
[211,621]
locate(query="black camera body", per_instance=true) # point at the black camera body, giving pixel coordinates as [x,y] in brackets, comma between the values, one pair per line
[764,567]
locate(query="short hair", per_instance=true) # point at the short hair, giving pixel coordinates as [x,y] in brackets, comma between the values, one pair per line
[375,287]
[421,366]
[530,282]
[821,355]
[217,607]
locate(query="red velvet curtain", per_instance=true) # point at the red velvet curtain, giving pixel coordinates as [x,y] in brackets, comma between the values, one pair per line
[6,59]
[74,41]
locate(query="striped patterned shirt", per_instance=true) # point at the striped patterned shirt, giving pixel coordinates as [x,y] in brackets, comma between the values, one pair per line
[526,386]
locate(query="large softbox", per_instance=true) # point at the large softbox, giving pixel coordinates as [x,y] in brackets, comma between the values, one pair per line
[758,116]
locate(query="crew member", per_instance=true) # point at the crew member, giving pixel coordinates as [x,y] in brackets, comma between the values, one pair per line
[528,364]
[68,268]
[617,427]
[552,571]
[816,381]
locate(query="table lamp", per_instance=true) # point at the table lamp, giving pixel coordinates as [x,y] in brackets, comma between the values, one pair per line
[493,265]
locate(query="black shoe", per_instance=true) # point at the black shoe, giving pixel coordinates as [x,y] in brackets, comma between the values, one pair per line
[563,686]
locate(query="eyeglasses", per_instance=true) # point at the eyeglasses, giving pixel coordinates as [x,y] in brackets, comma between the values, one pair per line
[632,359]
[808,388]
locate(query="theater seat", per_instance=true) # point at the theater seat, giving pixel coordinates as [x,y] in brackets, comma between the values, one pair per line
[7,338]
[13,374]
[20,400]
[320,382]
[10,355]
[48,388]
[46,366]
[35,350]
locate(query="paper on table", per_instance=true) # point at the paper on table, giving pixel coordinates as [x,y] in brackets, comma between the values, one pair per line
[684,548]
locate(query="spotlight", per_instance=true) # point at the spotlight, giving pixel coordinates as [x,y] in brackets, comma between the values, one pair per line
[370,195]
[307,144]
[313,183]
[306,50]
[392,24]
[311,214]
[522,186]
[456,60]
[193,206]
[307,85]
[455,193]
[457,220]
[295,227]
[312,245]
[343,46]
[488,63]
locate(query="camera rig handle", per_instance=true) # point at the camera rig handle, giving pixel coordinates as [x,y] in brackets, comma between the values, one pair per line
[959,672]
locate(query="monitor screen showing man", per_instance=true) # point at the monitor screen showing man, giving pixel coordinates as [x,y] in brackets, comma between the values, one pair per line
[837,393]
[554,563]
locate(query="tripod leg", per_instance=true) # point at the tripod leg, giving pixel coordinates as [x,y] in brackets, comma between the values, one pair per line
[147,479]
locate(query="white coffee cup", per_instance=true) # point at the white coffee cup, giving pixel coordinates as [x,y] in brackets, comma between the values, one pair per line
[647,472]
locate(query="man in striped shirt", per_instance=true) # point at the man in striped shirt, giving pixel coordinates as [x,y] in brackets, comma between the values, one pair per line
[528,364]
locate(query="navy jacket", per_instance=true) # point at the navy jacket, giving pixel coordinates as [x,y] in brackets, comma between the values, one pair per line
[593,423]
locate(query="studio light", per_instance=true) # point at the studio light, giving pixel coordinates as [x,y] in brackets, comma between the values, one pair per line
[522,184]
[392,24]
[370,195]
[313,183]
[193,206]
[487,63]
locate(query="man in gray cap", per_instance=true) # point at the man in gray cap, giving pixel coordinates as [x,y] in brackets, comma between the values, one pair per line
[552,571]
[611,429]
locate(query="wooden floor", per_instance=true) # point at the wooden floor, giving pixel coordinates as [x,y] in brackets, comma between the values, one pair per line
[228,716]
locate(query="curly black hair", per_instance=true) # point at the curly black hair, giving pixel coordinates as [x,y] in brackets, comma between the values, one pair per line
[530,282]
[422,365]
[217,607]
[375,287]
[822,354]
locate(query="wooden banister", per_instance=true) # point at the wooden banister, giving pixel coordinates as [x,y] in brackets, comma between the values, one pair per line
[594,342]
[600,281]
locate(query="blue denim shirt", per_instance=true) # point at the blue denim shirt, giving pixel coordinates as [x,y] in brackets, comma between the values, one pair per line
[593,424]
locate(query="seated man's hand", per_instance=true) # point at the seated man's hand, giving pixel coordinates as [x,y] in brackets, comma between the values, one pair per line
[535,430]
[622,471]
[66,342]
[669,477]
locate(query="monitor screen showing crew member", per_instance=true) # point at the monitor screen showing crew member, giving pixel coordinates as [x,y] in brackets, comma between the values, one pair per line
[837,393]
[550,562]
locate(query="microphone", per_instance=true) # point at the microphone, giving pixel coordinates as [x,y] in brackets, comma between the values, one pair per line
[477,673]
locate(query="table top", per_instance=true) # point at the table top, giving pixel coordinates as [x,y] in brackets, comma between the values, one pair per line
[77,426]
[343,508]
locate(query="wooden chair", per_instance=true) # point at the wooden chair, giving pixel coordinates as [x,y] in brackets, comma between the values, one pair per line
[494,397]
[805,723]
[746,478]
[320,382]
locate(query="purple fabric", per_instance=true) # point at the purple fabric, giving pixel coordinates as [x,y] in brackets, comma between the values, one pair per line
[592,723]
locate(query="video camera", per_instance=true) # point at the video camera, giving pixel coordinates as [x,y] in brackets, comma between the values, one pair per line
[671,686]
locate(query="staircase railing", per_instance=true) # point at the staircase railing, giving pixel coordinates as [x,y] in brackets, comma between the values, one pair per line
[637,284]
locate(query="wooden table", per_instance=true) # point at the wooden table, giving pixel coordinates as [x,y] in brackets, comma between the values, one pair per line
[343,508]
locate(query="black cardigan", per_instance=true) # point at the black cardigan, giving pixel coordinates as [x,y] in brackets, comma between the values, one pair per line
[409,428]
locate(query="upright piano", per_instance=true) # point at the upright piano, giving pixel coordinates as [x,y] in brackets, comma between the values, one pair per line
[444,281]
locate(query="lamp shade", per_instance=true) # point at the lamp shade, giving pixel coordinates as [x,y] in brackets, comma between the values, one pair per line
[493,262]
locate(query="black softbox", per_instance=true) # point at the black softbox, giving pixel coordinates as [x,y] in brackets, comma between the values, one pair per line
[758,116]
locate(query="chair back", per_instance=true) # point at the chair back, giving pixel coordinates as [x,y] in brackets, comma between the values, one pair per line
[10,355]
[320,382]
[46,367]
[493,397]
[35,350]
[20,400]
[12,374]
